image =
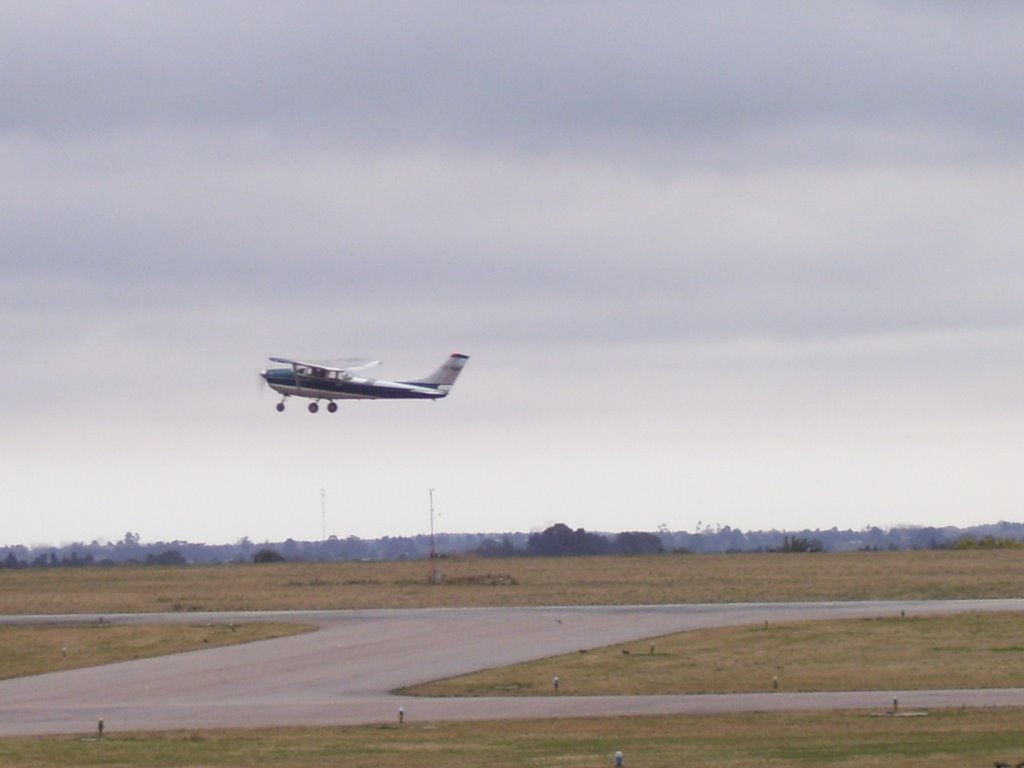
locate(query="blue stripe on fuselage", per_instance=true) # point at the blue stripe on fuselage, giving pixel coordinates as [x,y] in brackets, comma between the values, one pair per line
[314,386]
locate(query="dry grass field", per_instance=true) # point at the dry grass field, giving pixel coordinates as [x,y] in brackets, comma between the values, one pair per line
[517,581]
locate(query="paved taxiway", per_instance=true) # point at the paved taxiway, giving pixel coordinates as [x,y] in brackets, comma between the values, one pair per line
[341,674]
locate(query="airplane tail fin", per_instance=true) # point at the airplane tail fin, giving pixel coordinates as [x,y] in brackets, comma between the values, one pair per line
[444,377]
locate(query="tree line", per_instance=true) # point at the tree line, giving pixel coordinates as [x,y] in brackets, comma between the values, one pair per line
[558,540]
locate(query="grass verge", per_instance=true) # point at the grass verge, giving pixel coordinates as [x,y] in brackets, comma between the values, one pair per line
[942,739]
[35,649]
[970,650]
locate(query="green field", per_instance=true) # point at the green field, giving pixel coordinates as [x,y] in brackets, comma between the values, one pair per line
[35,649]
[971,650]
[798,654]
[944,739]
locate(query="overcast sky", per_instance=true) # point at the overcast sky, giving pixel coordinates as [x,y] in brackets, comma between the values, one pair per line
[735,263]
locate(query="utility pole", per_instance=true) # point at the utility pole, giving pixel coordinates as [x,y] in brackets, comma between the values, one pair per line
[433,554]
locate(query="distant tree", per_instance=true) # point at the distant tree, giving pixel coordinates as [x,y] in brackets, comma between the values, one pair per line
[11,561]
[267,555]
[560,539]
[495,548]
[800,544]
[637,543]
[167,557]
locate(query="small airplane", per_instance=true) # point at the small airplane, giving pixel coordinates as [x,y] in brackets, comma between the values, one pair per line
[319,381]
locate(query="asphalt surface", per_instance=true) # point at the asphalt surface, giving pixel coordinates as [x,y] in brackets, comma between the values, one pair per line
[342,674]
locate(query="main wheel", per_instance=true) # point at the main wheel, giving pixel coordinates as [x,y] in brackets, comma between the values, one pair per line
[313,407]
[280,407]
[332,406]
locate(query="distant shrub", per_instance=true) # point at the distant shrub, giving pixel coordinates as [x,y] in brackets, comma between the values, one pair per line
[987,542]
[800,544]
[268,556]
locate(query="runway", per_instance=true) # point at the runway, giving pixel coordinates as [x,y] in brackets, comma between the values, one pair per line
[342,674]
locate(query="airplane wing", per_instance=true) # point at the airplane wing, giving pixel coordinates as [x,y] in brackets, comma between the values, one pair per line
[355,363]
[349,365]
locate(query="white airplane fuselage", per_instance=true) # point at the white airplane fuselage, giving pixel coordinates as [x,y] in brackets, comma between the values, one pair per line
[319,382]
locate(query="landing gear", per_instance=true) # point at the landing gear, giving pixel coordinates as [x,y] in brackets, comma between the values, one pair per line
[280,407]
[313,407]
[332,407]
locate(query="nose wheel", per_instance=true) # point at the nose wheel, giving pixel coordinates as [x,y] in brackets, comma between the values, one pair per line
[280,407]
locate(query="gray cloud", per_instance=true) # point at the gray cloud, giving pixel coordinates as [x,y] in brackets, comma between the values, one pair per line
[530,77]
